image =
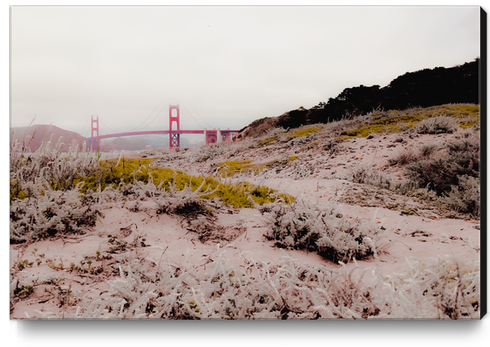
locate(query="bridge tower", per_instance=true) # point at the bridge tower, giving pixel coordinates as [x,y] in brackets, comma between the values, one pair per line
[174,138]
[94,144]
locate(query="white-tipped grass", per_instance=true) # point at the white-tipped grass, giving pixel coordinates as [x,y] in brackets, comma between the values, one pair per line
[428,149]
[448,288]
[321,229]
[30,171]
[50,213]
[465,197]
[404,157]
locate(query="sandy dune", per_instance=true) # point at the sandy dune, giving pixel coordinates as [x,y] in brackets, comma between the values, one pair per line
[425,235]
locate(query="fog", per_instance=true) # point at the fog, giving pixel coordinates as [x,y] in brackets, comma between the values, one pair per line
[224,66]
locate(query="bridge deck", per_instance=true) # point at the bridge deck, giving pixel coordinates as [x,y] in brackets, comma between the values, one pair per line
[162,132]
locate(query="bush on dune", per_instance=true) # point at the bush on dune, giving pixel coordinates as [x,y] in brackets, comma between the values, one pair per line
[436,125]
[52,193]
[49,214]
[324,230]
[465,197]
[450,171]
[439,174]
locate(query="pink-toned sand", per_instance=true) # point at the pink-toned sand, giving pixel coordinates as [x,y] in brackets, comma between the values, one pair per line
[425,236]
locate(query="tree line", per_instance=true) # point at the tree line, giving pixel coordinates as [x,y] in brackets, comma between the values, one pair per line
[423,88]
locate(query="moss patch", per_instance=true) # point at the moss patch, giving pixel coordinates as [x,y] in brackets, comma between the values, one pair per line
[267,141]
[303,131]
[128,171]
[394,121]
[232,167]
[114,171]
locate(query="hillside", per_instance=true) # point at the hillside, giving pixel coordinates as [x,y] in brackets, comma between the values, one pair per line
[372,217]
[424,88]
[35,135]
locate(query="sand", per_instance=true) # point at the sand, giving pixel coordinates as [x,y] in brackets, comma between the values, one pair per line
[425,235]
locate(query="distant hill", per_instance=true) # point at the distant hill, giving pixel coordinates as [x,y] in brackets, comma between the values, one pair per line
[35,135]
[424,88]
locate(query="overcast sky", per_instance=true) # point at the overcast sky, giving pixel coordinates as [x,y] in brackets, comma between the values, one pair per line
[225,66]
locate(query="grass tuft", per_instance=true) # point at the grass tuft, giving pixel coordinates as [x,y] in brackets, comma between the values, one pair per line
[303,131]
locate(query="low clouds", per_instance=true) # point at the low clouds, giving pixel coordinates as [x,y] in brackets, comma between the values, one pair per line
[231,64]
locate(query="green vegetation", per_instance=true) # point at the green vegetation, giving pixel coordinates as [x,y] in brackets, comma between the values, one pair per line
[25,291]
[294,133]
[230,168]
[424,88]
[113,172]
[16,192]
[129,171]
[437,125]
[21,265]
[394,121]
[441,174]
[447,175]
[303,131]
[267,141]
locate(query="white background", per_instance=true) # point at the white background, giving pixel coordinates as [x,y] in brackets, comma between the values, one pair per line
[217,333]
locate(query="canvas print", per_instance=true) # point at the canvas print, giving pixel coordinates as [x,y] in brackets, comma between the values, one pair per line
[236,163]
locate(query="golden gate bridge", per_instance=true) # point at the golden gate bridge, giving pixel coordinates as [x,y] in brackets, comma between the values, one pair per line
[174,132]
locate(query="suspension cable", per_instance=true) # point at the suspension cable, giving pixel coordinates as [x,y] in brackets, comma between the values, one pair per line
[200,116]
[153,118]
[111,128]
[193,117]
[85,126]
[145,119]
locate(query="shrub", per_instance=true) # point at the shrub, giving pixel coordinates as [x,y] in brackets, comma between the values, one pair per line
[148,180]
[303,225]
[440,174]
[274,135]
[49,214]
[209,152]
[394,121]
[54,194]
[447,288]
[330,145]
[31,172]
[367,175]
[406,156]
[186,201]
[427,149]
[470,122]
[301,169]
[436,125]
[465,197]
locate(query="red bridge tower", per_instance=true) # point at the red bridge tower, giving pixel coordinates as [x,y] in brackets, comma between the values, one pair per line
[94,144]
[174,137]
